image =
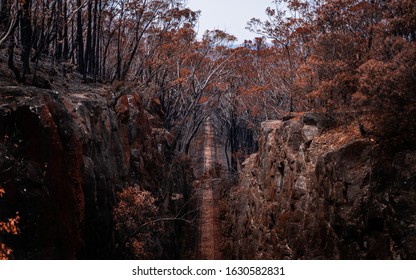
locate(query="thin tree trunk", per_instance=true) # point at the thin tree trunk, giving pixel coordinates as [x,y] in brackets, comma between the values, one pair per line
[65,54]
[59,31]
[79,40]
[88,50]
[26,33]
[98,46]
[93,57]
[118,69]
[10,61]
[6,20]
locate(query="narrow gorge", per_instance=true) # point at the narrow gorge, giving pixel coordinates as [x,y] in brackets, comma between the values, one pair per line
[207,228]
[313,190]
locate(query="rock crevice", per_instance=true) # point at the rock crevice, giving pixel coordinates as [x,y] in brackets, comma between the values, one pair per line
[316,193]
[63,158]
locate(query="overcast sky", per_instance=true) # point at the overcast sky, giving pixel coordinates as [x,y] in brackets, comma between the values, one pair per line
[229,15]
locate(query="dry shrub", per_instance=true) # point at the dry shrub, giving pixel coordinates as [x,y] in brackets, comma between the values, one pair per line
[9,227]
[135,223]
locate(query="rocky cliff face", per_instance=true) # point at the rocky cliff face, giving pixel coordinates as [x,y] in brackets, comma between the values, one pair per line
[63,158]
[317,193]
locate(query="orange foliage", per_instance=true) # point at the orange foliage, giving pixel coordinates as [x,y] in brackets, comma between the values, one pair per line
[134,218]
[9,227]
[203,99]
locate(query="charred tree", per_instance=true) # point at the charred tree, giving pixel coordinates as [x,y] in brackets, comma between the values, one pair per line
[80,40]
[10,21]
[88,45]
[10,60]
[26,37]
[65,51]
[59,32]
[94,55]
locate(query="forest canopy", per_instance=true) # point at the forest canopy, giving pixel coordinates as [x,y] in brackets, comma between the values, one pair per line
[330,56]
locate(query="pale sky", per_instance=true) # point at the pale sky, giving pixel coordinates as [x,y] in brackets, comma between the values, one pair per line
[229,15]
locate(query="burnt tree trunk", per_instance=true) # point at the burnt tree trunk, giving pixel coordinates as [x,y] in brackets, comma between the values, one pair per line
[88,45]
[59,32]
[26,37]
[10,61]
[94,57]
[80,42]
[7,20]
[65,52]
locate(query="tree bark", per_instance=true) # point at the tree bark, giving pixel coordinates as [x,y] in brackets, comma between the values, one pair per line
[10,61]
[4,15]
[26,37]
[59,31]
[65,52]
[88,45]
[6,20]
[79,40]
[93,57]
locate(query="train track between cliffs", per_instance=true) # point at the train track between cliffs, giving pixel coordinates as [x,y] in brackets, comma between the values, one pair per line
[208,224]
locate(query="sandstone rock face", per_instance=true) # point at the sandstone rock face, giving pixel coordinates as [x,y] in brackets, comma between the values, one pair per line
[63,158]
[311,193]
